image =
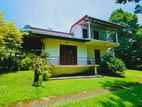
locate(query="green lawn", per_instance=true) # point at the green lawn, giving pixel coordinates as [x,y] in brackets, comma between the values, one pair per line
[131,97]
[17,86]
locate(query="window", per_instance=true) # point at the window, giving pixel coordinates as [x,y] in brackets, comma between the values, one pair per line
[85,33]
[96,34]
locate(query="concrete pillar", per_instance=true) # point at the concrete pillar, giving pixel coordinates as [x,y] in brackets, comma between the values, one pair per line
[108,34]
[116,35]
[95,70]
[113,52]
[89,30]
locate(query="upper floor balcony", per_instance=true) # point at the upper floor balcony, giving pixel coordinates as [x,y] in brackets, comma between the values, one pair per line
[96,29]
[100,34]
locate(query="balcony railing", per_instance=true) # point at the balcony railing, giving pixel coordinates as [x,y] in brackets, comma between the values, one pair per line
[71,60]
[108,39]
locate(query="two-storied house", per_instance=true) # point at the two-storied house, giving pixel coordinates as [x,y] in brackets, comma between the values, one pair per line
[88,39]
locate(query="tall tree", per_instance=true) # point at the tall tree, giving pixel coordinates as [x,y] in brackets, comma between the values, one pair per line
[128,38]
[138,7]
[10,39]
[10,36]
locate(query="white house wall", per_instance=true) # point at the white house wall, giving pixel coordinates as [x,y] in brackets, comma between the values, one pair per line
[52,47]
[77,31]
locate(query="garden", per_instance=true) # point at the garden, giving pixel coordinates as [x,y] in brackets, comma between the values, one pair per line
[17,87]
[26,78]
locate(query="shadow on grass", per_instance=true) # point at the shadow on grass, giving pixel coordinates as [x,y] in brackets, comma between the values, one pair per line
[118,84]
[126,94]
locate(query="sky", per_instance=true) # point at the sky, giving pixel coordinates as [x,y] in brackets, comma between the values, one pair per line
[58,14]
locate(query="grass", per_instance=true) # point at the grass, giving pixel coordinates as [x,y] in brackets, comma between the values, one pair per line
[17,86]
[131,97]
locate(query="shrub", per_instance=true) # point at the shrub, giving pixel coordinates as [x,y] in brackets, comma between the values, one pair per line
[9,63]
[40,69]
[111,64]
[14,64]
[46,75]
[26,63]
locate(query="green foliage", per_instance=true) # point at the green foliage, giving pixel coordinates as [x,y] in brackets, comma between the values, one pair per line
[124,18]
[46,75]
[26,63]
[40,68]
[10,43]
[10,36]
[116,65]
[129,39]
[44,54]
[111,64]
[124,98]
[138,7]
[11,63]
[17,86]
[126,1]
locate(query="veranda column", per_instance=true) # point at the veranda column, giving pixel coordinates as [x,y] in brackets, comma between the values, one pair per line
[113,52]
[89,30]
[116,35]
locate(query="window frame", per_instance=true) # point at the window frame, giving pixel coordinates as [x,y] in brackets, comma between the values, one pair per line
[84,36]
[94,34]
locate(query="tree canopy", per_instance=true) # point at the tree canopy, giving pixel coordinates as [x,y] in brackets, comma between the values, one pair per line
[130,38]
[10,36]
[138,7]
[10,43]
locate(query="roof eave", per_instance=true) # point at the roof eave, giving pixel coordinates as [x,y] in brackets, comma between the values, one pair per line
[61,37]
[89,17]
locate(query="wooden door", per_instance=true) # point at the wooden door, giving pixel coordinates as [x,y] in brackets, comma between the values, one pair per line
[68,55]
[97,56]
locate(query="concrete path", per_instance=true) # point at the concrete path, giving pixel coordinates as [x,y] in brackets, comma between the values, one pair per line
[53,101]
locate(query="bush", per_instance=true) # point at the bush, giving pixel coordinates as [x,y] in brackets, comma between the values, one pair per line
[46,76]
[9,63]
[112,65]
[26,63]
[14,63]
[41,69]
[46,73]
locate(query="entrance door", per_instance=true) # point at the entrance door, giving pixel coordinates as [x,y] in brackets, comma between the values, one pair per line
[68,55]
[97,56]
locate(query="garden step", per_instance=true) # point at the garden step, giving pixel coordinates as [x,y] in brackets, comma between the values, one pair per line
[76,77]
